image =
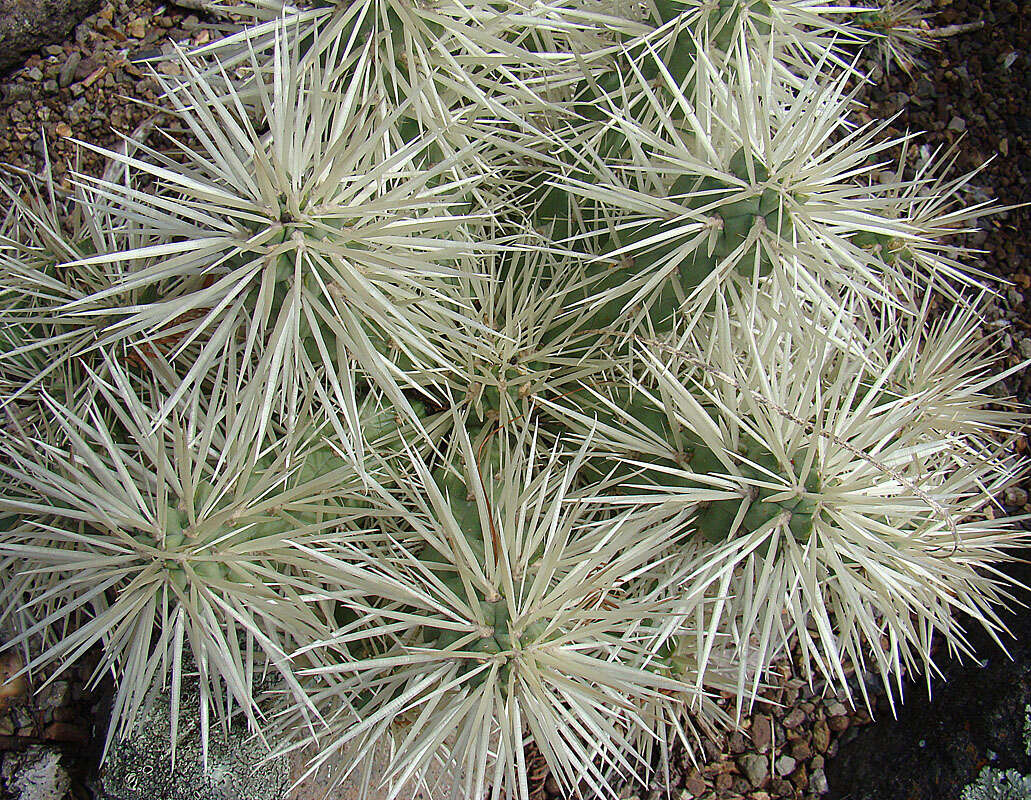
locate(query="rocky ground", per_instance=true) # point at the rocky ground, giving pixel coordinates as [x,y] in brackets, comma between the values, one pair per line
[975,92]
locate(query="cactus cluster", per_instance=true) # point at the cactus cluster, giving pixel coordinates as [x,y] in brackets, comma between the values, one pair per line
[458,376]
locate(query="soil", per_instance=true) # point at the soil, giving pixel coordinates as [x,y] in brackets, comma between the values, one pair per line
[974,92]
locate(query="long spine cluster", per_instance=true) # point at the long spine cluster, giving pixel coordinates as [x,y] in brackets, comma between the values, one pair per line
[498,373]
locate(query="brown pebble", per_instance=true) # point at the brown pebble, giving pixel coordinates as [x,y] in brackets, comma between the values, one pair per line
[800,750]
[137,28]
[794,719]
[821,736]
[762,731]
[838,724]
[64,714]
[782,787]
[64,732]
[86,67]
[724,781]
[737,743]
[695,785]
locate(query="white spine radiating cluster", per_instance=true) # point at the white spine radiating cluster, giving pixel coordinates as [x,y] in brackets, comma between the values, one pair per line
[455,377]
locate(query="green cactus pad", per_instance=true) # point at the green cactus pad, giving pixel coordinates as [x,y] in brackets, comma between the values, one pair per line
[715,521]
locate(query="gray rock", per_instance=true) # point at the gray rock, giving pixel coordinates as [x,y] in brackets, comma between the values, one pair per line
[139,767]
[28,25]
[54,695]
[784,766]
[67,74]
[35,773]
[16,91]
[756,768]
[818,782]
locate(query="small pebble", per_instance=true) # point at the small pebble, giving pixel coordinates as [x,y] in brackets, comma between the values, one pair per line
[65,732]
[54,695]
[795,718]
[762,731]
[821,736]
[137,28]
[801,750]
[694,786]
[65,714]
[1015,496]
[756,768]
[818,782]
[785,765]
[67,74]
[85,68]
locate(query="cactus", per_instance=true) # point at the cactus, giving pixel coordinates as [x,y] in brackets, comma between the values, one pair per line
[493,374]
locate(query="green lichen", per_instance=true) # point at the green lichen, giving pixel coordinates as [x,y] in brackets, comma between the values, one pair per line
[997,784]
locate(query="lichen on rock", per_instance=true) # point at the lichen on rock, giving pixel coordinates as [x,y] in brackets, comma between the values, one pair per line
[997,784]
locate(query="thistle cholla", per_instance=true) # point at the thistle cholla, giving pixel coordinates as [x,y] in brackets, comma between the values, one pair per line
[497,374]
